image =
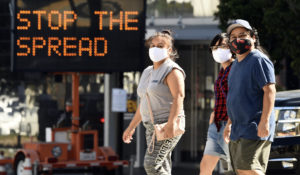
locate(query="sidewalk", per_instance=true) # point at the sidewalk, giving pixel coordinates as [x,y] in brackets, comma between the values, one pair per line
[175,171]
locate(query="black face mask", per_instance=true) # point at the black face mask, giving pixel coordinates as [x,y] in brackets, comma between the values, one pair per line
[240,46]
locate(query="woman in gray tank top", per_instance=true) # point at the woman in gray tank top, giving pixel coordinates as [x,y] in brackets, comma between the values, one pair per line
[164,84]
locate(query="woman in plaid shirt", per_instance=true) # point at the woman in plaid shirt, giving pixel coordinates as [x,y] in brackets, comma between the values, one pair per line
[216,147]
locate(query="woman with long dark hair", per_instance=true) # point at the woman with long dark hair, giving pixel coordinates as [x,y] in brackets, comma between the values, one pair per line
[216,147]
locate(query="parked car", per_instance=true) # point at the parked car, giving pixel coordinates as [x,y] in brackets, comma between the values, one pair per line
[285,150]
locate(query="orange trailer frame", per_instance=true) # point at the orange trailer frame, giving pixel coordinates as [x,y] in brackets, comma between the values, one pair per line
[48,156]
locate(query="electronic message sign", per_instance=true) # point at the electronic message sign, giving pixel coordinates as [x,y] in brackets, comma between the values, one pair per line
[78,35]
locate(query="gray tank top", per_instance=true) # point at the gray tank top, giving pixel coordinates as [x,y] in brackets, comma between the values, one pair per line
[160,95]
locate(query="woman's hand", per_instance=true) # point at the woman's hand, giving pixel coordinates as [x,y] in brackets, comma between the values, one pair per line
[226,132]
[168,130]
[127,135]
[212,117]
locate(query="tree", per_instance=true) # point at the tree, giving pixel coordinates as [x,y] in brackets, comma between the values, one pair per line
[277,23]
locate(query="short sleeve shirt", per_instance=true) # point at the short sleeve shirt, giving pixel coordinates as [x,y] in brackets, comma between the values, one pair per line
[161,99]
[245,95]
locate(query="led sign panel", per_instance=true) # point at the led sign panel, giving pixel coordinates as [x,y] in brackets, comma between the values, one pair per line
[78,35]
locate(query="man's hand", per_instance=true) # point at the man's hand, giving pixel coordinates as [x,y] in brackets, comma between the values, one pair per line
[263,128]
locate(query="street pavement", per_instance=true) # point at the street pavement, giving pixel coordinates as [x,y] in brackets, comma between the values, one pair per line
[175,171]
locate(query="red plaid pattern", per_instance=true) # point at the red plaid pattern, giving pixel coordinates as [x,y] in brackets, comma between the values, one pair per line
[221,90]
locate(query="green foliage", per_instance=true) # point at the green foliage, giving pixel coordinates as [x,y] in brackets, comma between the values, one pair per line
[277,22]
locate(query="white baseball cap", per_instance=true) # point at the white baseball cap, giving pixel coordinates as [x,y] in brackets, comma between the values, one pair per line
[238,23]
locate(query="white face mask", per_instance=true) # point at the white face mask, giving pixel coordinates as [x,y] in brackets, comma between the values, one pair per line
[157,54]
[221,55]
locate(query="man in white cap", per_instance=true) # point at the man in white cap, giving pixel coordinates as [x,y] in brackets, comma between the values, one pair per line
[250,102]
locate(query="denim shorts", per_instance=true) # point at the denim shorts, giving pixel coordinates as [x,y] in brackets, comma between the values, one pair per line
[215,144]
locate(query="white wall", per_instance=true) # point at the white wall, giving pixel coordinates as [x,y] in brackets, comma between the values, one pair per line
[205,7]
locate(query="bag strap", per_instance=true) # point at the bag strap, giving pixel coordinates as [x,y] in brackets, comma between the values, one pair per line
[148,100]
[149,108]
[151,148]
[152,119]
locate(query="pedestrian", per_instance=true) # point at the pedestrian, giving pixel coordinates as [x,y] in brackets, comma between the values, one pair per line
[250,101]
[164,84]
[216,147]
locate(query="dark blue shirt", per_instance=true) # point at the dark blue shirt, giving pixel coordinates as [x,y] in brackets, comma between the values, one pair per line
[245,95]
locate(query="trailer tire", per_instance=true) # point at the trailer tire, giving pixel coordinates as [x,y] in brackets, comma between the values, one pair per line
[18,165]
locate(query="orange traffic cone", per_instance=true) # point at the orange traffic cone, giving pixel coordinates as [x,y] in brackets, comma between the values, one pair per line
[27,167]
[2,167]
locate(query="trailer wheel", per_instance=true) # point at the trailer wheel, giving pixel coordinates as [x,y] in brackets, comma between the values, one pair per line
[19,164]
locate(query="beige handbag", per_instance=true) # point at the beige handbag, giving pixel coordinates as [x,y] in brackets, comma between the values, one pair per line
[179,126]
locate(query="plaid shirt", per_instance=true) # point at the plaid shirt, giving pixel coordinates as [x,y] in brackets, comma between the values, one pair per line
[221,89]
